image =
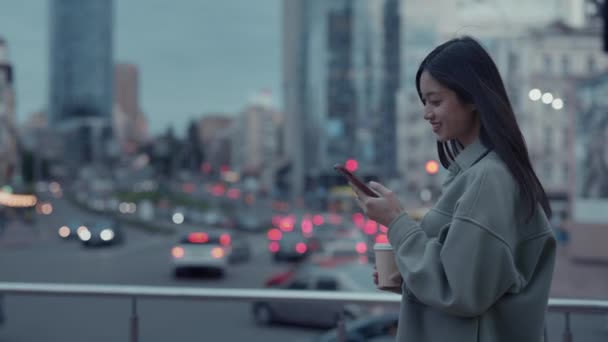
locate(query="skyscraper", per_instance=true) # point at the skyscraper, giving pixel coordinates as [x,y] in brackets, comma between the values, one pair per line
[295,32]
[130,127]
[81,75]
[332,79]
[390,80]
[8,133]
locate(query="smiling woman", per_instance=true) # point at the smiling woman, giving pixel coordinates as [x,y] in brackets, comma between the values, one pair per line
[480,262]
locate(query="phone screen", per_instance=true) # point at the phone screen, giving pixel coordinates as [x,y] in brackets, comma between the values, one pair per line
[356,181]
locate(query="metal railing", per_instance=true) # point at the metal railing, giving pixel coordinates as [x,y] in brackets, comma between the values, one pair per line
[134,293]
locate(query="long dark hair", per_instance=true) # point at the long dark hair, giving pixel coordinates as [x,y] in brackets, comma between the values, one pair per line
[465,67]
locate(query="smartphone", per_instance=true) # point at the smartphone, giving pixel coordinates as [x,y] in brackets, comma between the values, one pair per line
[356,181]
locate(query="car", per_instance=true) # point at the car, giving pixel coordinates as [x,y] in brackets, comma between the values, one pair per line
[351,246]
[70,231]
[208,250]
[216,218]
[325,276]
[101,233]
[250,222]
[291,246]
[380,327]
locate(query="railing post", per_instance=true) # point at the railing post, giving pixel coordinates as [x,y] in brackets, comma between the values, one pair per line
[567,332]
[341,328]
[134,320]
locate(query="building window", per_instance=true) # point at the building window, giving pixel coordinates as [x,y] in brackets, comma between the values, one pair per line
[411,164]
[591,64]
[565,64]
[414,117]
[414,98]
[547,63]
[548,171]
[413,141]
[548,139]
[513,62]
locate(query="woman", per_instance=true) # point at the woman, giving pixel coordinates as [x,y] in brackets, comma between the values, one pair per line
[478,266]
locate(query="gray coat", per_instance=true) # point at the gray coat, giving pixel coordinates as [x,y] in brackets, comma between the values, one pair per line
[473,269]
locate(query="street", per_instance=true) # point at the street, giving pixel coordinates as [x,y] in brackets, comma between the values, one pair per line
[142,260]
[39,255]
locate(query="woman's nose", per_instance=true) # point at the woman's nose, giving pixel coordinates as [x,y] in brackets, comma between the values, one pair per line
[428,115]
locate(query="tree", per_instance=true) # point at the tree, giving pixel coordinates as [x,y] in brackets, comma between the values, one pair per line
[195,152]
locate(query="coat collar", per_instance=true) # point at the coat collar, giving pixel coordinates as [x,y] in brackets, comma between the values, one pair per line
[469,156]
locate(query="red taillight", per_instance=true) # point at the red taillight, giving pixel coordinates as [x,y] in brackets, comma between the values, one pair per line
[279,278]
[225,239]
[317,220]
[359,220]
[274,247]
[371,227]
[306,226]
[301,247]
[234,193]
[177,252]
[381,238]
[286,225]
[198,237]
[218,190]
[274,234]
[361,247]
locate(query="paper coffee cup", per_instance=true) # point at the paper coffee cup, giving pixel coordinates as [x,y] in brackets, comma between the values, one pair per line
[386,266]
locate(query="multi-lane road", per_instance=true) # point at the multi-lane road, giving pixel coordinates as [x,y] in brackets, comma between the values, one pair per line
[36,254]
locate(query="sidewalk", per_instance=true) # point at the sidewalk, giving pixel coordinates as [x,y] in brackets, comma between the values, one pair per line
[578,279]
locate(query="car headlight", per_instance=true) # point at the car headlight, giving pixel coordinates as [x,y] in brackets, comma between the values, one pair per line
[107,234]
[84,235]
[64,231]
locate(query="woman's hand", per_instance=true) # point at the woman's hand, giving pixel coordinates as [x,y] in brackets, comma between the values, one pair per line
[383,209]
[394,277]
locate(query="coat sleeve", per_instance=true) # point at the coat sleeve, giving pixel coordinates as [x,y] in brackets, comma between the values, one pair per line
[472,266]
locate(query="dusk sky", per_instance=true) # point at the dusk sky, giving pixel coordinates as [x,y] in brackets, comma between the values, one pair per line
[195,56]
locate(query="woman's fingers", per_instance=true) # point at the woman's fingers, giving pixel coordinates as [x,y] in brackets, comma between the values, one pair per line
[396,277]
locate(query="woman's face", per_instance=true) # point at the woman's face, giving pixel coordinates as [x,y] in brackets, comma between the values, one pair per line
[448,116]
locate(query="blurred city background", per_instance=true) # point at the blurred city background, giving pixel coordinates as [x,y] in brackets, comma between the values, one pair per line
[193,142]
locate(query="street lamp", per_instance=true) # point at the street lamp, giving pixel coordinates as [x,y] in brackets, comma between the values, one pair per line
[557,104]
[547,98]
[535,94]
[431,167]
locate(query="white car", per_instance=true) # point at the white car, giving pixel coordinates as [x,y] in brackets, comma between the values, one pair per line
[327,275]
[213,250]
[349,247]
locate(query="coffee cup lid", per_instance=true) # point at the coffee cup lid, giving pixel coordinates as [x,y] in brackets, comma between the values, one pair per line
[383,247]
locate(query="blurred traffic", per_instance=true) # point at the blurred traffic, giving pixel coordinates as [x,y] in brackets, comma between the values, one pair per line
[213,241]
